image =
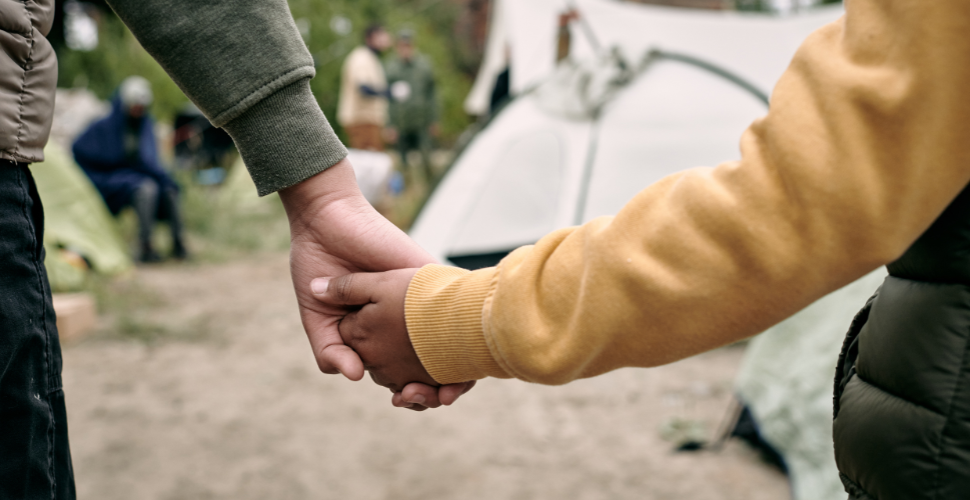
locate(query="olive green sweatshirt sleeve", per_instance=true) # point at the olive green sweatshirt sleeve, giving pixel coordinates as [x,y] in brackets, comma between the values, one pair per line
[865,144]
[244,64]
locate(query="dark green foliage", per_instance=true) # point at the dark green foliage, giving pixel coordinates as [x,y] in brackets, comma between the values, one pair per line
[119,55]
[431,20]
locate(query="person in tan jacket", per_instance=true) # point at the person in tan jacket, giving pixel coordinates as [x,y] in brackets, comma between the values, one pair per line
[363,106]
[865,144]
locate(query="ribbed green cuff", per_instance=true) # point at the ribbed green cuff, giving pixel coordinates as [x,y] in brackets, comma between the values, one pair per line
[285,139]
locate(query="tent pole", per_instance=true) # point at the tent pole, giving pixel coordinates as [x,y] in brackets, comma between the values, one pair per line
[717,70]
[587,179]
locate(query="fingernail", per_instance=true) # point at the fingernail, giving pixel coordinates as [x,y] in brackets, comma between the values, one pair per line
[417,399]
[319,286]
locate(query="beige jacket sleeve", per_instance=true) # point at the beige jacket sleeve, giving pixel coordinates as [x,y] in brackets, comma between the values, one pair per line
[867,141]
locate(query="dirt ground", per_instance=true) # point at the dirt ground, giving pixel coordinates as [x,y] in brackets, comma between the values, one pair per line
[205,388]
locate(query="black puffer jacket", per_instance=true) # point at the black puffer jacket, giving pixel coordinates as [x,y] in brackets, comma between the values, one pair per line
[902,391]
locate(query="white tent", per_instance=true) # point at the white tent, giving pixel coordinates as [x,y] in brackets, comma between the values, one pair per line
[539,165]
[756,46]
[580,139]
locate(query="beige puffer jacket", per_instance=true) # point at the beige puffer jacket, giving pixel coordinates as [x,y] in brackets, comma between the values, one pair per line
[28,78]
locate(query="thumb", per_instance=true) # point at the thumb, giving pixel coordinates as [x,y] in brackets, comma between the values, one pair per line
[347,290]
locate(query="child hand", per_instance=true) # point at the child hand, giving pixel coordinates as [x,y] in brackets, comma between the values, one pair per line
[374,326]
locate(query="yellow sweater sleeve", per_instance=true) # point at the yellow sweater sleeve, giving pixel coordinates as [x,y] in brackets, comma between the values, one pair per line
[866,143]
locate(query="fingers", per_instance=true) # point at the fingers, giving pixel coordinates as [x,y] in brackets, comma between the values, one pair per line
[340,358]
[421,394]
[347,290]
[398,401]
[331,355]
[419,397]
[450,393]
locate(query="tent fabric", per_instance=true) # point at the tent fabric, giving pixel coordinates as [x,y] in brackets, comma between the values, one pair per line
[786,381]
[668,117]
[510,186]
[528,30]
[76,217]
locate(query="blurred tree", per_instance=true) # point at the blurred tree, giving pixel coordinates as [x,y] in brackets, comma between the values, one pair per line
[331,30]
[334,28]
[117,57]
[470,34]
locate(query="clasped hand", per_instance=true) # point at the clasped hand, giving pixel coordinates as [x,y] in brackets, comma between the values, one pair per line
[335,232]
[374,327]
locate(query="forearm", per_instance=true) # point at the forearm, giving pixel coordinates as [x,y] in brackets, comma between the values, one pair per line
[254,86]
[862,149]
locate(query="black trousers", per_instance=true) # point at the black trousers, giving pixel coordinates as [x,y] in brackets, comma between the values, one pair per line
[35,459]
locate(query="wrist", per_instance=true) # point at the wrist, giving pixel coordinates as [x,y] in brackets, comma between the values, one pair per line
[319,194]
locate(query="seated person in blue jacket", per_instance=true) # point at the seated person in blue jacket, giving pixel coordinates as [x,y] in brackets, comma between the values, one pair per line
[119,153]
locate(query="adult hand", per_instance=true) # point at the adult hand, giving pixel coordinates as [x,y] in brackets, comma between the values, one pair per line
[335,231]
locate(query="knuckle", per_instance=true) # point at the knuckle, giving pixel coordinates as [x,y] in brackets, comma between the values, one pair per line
[344,287]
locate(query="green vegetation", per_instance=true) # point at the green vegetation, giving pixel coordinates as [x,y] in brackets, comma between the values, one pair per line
[331,30]
[228,221]
[117,57]
[431,20]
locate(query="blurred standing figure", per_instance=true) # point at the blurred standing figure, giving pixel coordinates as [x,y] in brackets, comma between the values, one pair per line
[414,101]
[362,109]
[120,155]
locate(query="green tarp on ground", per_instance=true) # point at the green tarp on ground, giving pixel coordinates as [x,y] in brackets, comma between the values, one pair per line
[75,219]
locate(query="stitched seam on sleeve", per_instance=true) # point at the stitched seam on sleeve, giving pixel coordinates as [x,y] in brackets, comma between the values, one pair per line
[261,93]
[23,84]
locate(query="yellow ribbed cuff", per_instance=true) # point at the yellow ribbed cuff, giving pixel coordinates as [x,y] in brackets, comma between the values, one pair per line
[443,309]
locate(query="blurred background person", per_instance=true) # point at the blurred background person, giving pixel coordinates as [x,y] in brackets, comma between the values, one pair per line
[119,153]
[414,102]
[362,109]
